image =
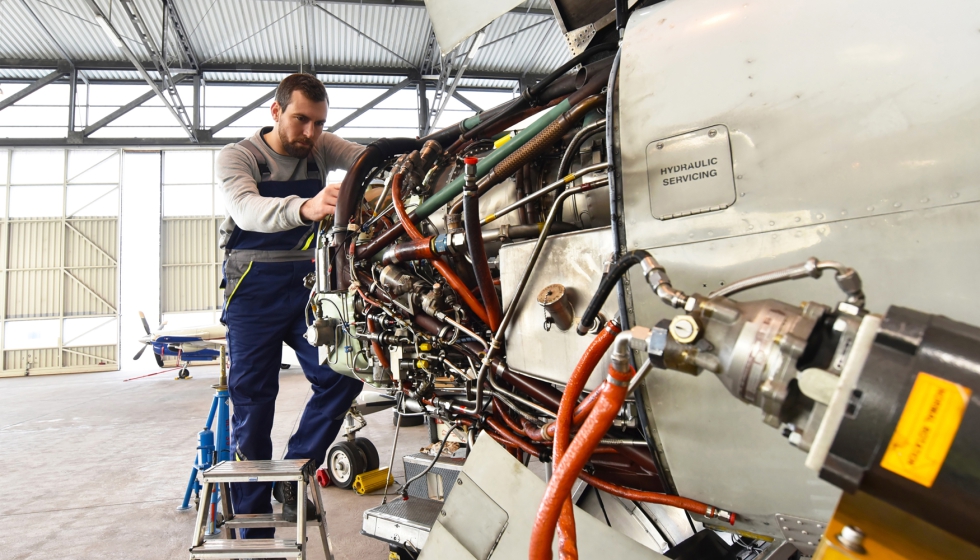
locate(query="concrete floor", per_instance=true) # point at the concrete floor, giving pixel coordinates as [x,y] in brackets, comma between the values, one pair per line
[95,467]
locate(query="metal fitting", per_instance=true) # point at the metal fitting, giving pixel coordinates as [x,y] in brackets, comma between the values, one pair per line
[619,359]
[556,306]
[684,329]
[852,538]
[656,343]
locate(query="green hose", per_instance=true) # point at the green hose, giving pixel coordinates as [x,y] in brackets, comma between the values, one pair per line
[455,187]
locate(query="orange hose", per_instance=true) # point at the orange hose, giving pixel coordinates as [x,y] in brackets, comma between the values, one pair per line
[444,269]
[563,426]
[578,453]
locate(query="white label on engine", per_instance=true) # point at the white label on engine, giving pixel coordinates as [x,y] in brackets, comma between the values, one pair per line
[690,173]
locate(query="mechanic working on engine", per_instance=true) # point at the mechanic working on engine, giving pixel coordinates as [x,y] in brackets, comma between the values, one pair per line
[274,190]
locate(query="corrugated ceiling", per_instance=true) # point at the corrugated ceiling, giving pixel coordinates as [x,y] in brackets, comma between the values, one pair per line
[341,34]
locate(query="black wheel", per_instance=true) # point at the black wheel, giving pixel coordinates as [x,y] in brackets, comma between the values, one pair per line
[344,462]
[284,366]
[407,420]
[370,453]
[183,373]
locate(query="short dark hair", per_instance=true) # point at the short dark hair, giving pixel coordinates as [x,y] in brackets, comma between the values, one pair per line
[311,87]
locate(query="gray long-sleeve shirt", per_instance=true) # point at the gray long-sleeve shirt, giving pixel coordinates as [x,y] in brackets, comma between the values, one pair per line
[238,174]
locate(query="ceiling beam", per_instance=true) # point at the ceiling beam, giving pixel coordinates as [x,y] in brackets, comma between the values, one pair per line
[88,130]
[158,57]
[38,64]
[369,105]
[242,112]
[180,33]
[421,4]
[97,11]
[136,143]
[64,69]
[467,102]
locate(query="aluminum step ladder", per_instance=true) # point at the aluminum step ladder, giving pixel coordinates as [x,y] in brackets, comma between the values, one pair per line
[299,471]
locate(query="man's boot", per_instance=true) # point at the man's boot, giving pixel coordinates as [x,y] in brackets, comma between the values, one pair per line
[289,503]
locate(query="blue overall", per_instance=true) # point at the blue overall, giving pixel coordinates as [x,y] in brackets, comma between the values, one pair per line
[265,307]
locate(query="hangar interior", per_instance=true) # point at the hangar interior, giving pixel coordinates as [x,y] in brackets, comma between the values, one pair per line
[682,279]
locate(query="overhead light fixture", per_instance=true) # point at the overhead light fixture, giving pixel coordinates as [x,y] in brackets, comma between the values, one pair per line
[111,33]
[477,43]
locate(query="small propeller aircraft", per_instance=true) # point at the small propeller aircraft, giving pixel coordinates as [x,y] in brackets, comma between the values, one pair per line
[197,344]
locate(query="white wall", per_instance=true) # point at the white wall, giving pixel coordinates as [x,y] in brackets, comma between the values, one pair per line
[139,261]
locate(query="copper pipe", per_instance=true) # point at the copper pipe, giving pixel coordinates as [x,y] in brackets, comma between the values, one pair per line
[414,250]
[474,243]
[578,454]
[444,269]
[372,328]
[688,504]
[497,405]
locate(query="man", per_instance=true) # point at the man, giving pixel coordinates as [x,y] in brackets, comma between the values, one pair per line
[274,190]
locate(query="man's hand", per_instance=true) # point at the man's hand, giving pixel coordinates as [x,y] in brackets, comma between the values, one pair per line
[321,205]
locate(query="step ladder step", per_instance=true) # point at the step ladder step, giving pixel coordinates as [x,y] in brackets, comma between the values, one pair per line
[247,548]
[252,520]
[256,471]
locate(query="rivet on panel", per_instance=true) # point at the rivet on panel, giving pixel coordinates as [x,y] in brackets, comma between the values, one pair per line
[772,223]
[738,177]
[797,220]
[819,216]
[871,208]
[660,145]
[897,205]
[924,200]
[954,195]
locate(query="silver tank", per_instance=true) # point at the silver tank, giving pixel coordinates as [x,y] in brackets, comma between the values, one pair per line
[755,134]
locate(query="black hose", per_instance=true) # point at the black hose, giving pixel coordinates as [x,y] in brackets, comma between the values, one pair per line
[532,92]
[353,186]
[609,281]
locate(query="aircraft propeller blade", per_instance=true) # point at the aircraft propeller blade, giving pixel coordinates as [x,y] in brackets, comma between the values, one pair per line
[146,326]
[140,353]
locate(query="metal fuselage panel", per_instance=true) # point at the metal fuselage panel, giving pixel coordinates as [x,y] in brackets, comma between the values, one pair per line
[853,131]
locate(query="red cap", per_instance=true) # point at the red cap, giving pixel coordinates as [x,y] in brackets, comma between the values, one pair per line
[731,518]
[470,161]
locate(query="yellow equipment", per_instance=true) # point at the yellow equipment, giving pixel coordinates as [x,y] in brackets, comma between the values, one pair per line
[372,480]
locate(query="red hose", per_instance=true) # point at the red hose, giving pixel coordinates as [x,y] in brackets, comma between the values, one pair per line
[563,426]
[444,269]
[578,453]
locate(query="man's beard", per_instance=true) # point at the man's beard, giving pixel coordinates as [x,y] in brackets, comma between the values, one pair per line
[295,149]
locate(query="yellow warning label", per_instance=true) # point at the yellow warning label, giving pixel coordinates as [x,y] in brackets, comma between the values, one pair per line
[926,429]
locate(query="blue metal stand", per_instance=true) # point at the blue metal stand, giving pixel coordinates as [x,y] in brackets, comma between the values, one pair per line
[210,449]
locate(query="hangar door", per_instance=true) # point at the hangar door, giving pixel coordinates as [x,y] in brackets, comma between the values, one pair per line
[192,212]
[59,247]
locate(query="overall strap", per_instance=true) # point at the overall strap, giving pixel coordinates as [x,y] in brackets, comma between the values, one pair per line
[312,170]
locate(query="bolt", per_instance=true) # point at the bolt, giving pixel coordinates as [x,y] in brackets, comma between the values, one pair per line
[459,481]
[660,145]
[712,133]
[852,538]
[443,512]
